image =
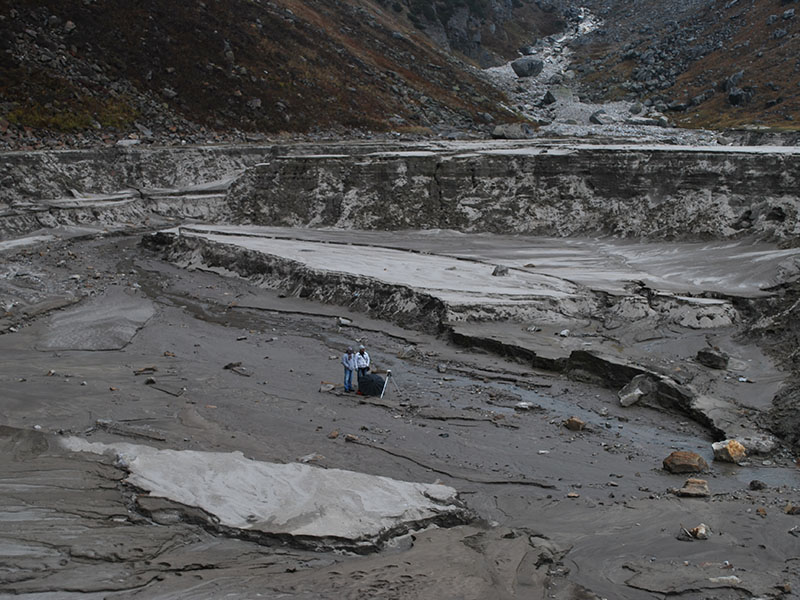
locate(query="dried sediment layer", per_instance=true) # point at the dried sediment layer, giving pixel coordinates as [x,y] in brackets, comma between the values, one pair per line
[324,508]
[639,192]
[428,291]
[526,314]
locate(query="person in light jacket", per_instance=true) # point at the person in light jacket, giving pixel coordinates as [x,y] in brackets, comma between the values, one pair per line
[362,361]
[349,362]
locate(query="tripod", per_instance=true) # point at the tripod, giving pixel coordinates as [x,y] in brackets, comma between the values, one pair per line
[386,383]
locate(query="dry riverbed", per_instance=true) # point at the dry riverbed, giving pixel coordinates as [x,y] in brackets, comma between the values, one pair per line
[172,433]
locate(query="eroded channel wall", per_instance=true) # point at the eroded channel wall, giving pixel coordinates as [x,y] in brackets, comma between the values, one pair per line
[669,193]
[554,188]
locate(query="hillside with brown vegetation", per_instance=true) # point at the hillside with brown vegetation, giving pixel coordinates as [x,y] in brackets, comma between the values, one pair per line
[83,72]
[191,70]
[719,64]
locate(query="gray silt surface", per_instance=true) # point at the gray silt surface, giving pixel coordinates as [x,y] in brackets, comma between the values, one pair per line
[277,414]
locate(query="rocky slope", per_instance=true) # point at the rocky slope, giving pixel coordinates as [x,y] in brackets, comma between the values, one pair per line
[206,71]
[83,73]
[717,64]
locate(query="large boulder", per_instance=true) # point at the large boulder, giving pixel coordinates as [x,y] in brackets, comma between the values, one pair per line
[548,98]
[738,96]
[527,66]
[685,462]
[729,451]
[640,387]
[712,358]
[513,131]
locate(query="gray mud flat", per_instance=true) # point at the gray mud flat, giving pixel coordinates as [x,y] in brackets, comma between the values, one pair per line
[173,423]
[549,512]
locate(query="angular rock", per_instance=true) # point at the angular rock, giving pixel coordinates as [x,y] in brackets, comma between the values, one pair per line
[500,271]
[729,451]
[682,461]
[527,66]
[758,444]
[601,117]
[701,532]
[738,96]
[712,358]
[408,352]
[513,131]
[694,488]
[757,485]
[640,387]
[575,424]
[548,98]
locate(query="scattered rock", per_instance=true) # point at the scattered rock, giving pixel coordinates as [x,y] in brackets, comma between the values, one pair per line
[792,509]
[527,66]
[513,131]
[574,424]
[145,370]
[549,98]
[350,438]
[762,444]
[441,368]
[308,458]
[601,117]
[237,368]
[333,434]
[150,381]
[344,322]
[408,352]
[729,451]
[640,387]
[326,387]
[701,532]
[756,485]
[712,358]
[681,461]
[500,271]
[694,488]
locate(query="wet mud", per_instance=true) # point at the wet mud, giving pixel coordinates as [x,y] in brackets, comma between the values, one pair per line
[171,393]
[552,512]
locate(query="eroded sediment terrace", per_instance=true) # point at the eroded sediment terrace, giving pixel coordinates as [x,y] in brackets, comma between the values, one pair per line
[170,314]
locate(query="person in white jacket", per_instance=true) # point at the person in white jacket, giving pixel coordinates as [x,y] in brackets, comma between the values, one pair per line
[349,362]
[362,361]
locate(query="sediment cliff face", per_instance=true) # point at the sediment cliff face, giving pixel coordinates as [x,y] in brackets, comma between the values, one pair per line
[555,189]
[644,192]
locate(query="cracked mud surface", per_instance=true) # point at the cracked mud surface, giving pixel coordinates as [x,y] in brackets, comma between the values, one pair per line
[557,513]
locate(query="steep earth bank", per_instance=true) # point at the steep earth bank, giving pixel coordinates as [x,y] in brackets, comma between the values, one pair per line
[551,188]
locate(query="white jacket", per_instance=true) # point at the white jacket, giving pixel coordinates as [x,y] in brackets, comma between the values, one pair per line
[362,360]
